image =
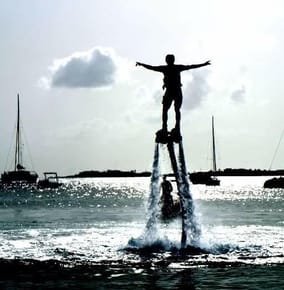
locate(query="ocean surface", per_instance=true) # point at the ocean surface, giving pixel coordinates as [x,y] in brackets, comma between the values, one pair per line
[90,234]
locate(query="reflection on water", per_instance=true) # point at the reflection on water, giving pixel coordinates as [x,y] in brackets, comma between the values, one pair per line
[92,228]
[146,275]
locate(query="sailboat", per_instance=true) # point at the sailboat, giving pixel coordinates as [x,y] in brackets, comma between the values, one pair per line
[206,177]
[213,180]
[20,175]
[276,182]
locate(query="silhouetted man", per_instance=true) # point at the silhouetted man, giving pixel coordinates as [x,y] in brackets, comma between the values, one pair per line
[172,84]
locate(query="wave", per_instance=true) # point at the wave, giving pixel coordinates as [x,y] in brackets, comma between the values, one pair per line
[145,245]
[202,253]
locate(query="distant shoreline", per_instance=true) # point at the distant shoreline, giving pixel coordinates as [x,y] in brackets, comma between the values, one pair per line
[246,172]
[134,173]
[108,173]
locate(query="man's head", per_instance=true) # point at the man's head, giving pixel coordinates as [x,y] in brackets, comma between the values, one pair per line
[170,59]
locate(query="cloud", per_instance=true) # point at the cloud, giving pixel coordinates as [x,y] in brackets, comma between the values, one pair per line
[143,107]
[196,90]
[238,95]
[95,68]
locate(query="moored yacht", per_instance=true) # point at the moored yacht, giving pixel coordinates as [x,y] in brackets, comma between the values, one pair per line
[19,175]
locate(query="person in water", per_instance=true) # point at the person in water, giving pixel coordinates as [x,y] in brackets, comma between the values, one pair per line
[166,198]
[172,85]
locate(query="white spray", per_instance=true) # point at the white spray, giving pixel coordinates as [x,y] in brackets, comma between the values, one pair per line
[153,204]
[192,227]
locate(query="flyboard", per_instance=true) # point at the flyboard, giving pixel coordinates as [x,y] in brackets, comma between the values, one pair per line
[182,180]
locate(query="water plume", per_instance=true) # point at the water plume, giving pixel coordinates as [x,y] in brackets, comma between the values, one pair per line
[192,227]
[151,231]
[191,231]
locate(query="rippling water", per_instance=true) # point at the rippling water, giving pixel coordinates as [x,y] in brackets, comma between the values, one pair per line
[88,234]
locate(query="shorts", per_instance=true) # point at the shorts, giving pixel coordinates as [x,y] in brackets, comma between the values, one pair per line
[172,95]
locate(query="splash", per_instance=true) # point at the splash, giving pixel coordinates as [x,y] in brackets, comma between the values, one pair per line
[152,231]
[191,230]
[190,222]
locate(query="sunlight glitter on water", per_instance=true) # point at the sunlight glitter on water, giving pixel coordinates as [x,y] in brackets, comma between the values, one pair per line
[94,220]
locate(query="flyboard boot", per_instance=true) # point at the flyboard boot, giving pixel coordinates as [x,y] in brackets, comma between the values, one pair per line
[175,135]
[162,136]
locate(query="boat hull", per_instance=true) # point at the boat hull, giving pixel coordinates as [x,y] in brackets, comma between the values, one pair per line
[204,178]
[274,183]
[19,177]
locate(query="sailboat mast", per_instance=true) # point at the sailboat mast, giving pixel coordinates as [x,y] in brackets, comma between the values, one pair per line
[18,141]
[213,146]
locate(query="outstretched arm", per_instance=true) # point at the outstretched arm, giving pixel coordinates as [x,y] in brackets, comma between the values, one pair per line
[150,67]
[192,66]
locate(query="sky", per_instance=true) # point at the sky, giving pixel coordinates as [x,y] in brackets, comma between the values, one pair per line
[86,106]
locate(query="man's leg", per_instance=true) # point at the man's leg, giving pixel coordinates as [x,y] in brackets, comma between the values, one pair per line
[178,102]
[165,117]
[178,117]
[166,105]
[177,110]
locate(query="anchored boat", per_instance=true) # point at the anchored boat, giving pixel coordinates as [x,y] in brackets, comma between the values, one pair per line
[206,177]
[20,175]
[50,180]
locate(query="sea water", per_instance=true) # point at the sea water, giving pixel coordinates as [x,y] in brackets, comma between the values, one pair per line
[87,235]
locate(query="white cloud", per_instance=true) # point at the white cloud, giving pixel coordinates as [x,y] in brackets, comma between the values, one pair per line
[96,68]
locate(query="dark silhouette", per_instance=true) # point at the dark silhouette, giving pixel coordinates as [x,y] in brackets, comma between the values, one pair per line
[274,183]
[169,208]
[110,173]
[193,175]
[172,84]
[167,198]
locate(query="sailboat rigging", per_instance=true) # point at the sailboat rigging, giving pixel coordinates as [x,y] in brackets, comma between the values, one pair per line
[19,175]
[276,182]
[213,147]
[206,177]
[213,180]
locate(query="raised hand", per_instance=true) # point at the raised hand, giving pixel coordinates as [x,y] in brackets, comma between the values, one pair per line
[208,62]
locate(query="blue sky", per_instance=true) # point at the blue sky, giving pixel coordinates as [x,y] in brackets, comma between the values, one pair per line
[86,106]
